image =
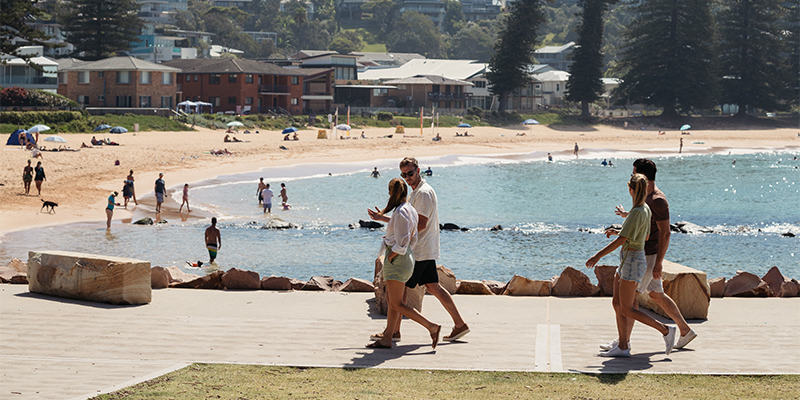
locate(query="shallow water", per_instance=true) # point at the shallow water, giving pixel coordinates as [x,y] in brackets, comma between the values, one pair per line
[541,206]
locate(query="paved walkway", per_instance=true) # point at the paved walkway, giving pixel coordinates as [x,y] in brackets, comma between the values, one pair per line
[54,348]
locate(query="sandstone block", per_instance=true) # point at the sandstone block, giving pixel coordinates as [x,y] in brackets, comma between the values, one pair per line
[276,283]
[472,287]
[447,279]
[717,286]
[106,279]
[357,285]
[159,278]
[14,272]
[745,284]
[688,287]
[605,278]
[297,284]
[176,275]
[210,281]
[240,279]
[496,287]
[319,283]
[18,265]
[774,280]
[790,288]
[522,286]
[572,282]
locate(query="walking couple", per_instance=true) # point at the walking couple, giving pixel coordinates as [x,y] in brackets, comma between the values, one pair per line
[411,247]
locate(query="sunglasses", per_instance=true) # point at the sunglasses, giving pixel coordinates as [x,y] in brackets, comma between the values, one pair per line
[408,174]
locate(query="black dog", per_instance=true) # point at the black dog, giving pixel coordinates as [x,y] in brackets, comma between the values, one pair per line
[50,205]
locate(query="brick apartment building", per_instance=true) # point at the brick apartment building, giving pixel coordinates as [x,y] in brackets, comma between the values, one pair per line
[240,85]
[125,82]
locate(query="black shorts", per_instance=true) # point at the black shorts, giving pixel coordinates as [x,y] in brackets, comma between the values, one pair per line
[424,273]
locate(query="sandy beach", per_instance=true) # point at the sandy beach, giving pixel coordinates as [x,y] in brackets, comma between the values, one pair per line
[80,182]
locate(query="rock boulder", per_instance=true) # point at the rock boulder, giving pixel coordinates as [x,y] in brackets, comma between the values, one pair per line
[159,278]
[370,224]
[210,281]
[572,282]
[240,279]
[745,284]
[276,283]
[496,287]
[472,287]
[690,228]
[91,277]
[357,285]
[790,288]
[15,272]
[319,283]
[176,275]
[605,278]
[688,287]
[717,286]
[447,279]
[522,286]
[144,221]
[277,223]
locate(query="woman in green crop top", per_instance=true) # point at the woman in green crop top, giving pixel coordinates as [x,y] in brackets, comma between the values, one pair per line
[633,264]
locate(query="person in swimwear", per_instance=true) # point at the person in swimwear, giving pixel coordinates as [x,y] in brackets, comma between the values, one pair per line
[213,240]
[27,177]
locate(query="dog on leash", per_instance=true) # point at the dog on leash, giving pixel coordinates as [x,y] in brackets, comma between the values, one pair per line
[49,205]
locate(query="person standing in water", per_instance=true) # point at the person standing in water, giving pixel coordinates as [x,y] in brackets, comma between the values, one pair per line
[185,198]
[261,187]
[112,201]
[284,197]
[213,240]
[266,198]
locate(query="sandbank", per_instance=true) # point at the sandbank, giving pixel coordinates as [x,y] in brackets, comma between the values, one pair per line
[80,182]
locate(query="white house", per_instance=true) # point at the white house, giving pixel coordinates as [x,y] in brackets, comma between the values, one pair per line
[14,71]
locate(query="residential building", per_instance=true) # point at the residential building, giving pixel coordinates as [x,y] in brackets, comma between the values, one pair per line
[555,56]
[434,9]
[155,45]
[350,10]
[54,29]
[242,4]
[428,91]
[368,59]
[479,10]
[122,82]
[309,7]
[238,86]
[194,38]
[161,11]
[553,85]
[260,36]
[15,71]
[344,65]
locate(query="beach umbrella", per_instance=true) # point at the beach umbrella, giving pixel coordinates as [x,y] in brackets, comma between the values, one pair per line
[530,122]
[343,127]
[235,123]
[118,129]
[56,139]
[38,128]
[289,130]
[102,127]
[686,127]
[464,125]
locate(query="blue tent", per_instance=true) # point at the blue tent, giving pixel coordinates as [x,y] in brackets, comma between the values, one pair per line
[289,130]
[463,125]
[13,140]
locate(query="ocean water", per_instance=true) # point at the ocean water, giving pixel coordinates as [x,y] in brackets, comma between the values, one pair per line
[552,214]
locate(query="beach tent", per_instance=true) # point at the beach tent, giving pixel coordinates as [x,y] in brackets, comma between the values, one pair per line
[463,125]
[201,104]
[289,130]
[186,104]
[13,140]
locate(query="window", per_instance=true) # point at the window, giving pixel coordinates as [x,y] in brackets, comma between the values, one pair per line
[248,78]
[144,101]
[295,80]
[101,74]
[214,79]
[294,101]
[83,99]
[480,84]
[435,89]
[558,87]
[248,100]
[401,87]
[196,77]
[101,98]
[232,100]
[83,76]
[124,101]
[144,77]
[124,77]
[214,101]
[166,101]
[62,78]
[166,78]
[231,78]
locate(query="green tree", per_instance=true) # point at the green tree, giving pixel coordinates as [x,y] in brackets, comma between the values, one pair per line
[14,15]
[584,84]
[453,16]
[753,70]
[792,33]
[472,42]
[513,55]
[346,42]
[668,60]
[384,13]
[99,28]
[415,33]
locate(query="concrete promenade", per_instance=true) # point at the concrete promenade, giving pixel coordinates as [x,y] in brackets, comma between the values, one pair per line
[54,348]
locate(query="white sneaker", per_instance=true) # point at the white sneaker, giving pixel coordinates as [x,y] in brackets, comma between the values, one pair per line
[610,345]
[669,338]
[684,340]
[616,352]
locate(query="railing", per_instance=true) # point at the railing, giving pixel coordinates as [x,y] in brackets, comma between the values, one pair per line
[312,93]
[448,96]
[273,89]
[28,80]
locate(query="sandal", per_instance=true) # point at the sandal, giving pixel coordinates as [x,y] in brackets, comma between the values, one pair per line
[378,345]
[435,336]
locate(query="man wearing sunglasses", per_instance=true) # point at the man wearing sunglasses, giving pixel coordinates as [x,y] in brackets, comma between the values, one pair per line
[426,251]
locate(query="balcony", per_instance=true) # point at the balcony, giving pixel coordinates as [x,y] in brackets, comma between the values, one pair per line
[273,89]
[28,80]
[448,96]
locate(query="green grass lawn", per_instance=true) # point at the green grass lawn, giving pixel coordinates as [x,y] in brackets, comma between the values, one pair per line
[222,381]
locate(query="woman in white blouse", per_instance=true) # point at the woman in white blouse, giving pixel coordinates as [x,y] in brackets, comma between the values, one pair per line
[401,235]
